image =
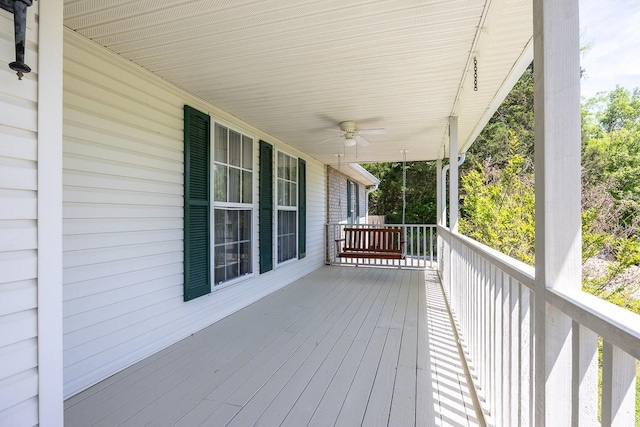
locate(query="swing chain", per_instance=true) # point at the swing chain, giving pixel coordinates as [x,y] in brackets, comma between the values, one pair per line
[475,74]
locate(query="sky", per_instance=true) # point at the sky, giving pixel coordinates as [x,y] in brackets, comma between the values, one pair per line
[611,29]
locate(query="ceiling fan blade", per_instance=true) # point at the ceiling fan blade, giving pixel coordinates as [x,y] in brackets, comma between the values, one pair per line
[380,131]
[362,142]
[328,139]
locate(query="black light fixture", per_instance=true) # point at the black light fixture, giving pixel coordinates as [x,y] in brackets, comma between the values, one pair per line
[19,10]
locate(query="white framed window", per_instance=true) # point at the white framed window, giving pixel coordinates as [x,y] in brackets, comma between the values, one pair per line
[232,205]
[287,207]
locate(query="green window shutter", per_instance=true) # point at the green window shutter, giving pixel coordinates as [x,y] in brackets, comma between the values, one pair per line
[197,259]
[357,217]
[349,204]
[302,208]
[265,217]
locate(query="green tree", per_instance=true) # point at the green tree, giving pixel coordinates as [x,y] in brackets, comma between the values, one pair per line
[420,192]
[611,193]
[611,151]
[514,116]
[498,205]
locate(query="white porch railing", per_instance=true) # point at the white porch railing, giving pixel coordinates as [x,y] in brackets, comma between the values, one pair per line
[419,247]
[492,300]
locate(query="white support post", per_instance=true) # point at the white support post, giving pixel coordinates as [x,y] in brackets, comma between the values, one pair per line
[453,174]
[439,200]
[453,204]
[557,187]
[439,214]
[50,44]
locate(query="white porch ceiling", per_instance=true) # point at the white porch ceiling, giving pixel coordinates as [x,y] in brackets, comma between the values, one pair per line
[296,68]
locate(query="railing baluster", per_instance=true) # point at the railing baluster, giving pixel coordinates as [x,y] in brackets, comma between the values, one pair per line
[514,344]
[506,353]
[498,350]
[526,358]
[475,324]
[618,387]
[411,238]
[584,376]
[485,331]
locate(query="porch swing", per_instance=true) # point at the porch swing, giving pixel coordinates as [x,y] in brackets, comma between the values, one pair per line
[376,242]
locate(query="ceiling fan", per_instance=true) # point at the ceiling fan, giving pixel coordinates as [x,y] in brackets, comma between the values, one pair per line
[351,134]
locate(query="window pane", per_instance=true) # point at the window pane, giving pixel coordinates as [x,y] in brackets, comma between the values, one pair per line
[292,221]
[233,267]
[292,246]
[293,188]
[218,275]
[247,187]
[219,183]
[292,234]
[234,148]
[231,232]
[286,235]
[293,176]
[245,225]
[281,166]
[220,151]
[282,224]
[247,152]
[280,192]
[245,258]
[287,196]
[219,226]
[219,269]
[234,185]
[218,258]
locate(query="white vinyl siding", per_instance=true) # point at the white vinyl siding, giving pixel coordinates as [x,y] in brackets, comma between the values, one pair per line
[18,230]
[123,218]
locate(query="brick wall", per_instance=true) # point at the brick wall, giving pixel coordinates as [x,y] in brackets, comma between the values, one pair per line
[337,197]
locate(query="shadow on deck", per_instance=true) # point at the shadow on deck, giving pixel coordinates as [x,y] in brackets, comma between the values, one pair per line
[339,347]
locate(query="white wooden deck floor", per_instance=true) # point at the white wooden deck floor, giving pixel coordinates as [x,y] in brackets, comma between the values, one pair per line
[343,346]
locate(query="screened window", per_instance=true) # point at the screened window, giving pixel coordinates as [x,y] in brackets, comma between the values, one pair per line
[287,203]
[233,204]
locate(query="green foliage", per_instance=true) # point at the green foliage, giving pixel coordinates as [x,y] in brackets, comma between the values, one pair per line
[611,193]
[513,117]
[611,151]
[612,286]
[593,239]
[420,192]
[497,178]
[498,205]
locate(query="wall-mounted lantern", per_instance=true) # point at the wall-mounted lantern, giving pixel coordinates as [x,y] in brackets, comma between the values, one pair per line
[19,10]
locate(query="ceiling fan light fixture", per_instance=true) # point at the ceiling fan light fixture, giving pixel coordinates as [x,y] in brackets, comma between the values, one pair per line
[349,141]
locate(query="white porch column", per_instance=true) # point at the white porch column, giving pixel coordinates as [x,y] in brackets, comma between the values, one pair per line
[453,174]
[439,200]
[50,383]
[557,187]
[453,204]
[439,215]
